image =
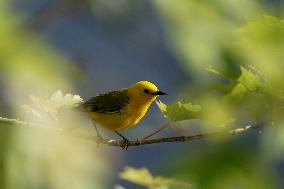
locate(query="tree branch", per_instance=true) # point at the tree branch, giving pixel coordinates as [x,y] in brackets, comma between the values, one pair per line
[120,143]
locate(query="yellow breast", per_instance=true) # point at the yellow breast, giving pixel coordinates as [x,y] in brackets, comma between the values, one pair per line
[126,118]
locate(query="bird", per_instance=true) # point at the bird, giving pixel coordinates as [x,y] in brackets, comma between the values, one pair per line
[121,109]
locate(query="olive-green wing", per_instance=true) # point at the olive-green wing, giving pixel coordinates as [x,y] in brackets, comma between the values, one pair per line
[112,102]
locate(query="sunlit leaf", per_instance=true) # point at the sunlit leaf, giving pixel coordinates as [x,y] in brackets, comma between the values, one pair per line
[248,79]
[179,111]
[143,177]
[247,82]
[268,29]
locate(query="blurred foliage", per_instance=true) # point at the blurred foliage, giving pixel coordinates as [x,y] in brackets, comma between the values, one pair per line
[51,106]
[32,158]
[254,92]
[236,164]
[200,32]
[243,52]
[260,43]
[28,62]
[233,40]
[143,177]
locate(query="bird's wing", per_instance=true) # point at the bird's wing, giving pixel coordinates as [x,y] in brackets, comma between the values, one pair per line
[112,102]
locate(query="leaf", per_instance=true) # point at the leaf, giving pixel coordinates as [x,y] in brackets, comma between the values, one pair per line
[269,30]
[143,177]
[247,82]
[41,106]
[163,107]
[68,100]
[179,111]
[250,80]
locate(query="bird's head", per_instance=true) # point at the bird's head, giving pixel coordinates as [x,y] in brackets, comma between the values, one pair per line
[145,91]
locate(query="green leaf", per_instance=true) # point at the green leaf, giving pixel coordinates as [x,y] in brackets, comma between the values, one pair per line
[267,29]
[248,81]
[163,107]
[179,111]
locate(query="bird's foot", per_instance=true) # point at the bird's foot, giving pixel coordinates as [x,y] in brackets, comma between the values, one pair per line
[124,143]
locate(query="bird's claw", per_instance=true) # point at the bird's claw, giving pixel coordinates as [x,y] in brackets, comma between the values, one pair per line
[124,143]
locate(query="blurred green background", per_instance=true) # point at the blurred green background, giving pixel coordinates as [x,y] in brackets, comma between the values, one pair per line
[226,56]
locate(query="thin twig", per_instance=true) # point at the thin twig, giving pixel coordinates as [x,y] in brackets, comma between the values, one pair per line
[120,143]
[156,132]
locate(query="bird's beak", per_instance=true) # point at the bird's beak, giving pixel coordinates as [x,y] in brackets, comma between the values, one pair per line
[159,93]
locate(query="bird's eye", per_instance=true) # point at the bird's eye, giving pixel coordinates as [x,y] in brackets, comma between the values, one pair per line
[146,91]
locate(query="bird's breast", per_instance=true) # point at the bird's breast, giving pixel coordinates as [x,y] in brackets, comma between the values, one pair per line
[136,112]
[126,118]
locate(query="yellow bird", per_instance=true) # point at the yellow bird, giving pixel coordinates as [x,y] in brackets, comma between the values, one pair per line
[121,109]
